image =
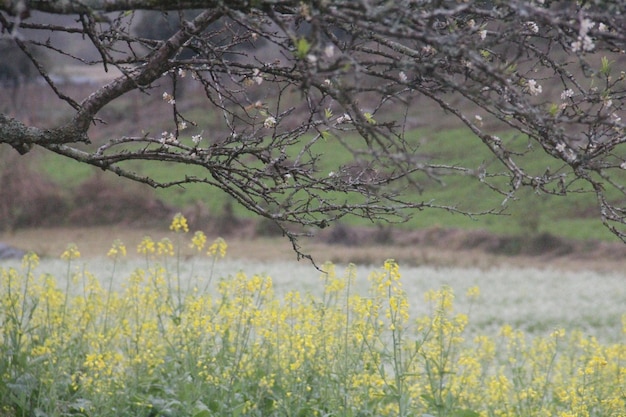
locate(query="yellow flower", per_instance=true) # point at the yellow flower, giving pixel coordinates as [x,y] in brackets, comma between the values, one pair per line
[118,248]
[179,222]
[218,248]
[198,241]
[30,260]
[594,364]
[441,299]
[165,247]
[70,253]
[506,331]
[473,293]
[146,246]
[558,333]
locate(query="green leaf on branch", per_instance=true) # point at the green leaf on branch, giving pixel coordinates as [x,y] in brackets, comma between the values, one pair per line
[302,48]
[605,66]
[370,118]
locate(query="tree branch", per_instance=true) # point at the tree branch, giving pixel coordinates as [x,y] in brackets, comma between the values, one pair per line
[305,112]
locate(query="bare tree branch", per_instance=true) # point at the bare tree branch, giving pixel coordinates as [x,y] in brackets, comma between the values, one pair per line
[286,82]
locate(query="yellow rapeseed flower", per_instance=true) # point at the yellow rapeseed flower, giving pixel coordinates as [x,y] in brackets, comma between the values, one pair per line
[338,349]
[165,247]
[558,333]
[506,331]
[30,260]
[393,270]
[118,249]
[179,223]
[70,253]
[594,364]
[473,292]
[218,248]
[146,246]
[198,241]
[441,299]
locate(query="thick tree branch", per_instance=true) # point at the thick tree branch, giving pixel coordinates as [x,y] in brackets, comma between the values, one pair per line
[23,138]
[157,64]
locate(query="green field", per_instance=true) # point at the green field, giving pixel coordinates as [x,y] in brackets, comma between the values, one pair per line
[572,216]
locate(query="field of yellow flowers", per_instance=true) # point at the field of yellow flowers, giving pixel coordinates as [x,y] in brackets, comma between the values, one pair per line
[169,342]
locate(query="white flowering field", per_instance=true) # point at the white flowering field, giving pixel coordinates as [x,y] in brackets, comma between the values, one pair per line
[534,300]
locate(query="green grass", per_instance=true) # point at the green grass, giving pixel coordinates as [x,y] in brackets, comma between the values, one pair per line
[573,216]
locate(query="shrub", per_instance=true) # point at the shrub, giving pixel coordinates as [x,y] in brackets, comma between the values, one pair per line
[27,199]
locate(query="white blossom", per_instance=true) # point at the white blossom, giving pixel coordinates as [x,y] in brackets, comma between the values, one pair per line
[344,119]
[182,73]
[329,51]
[256,76]
[269,122]
[602,27]
[169,98]
[428,50]
[584,41]
[623,165]
[616,118]
[311,58]
[182,125]
[586,25]
[532,26]
[483,34]
[168,137]
[402,76]
[560,147]
[570,156]
[534,89]
[196,139]
[567,94]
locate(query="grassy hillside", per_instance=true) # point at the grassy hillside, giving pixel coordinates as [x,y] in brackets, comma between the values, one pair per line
[573,216]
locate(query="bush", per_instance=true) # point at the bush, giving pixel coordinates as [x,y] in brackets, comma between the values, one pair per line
[27,199]
[99,202]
